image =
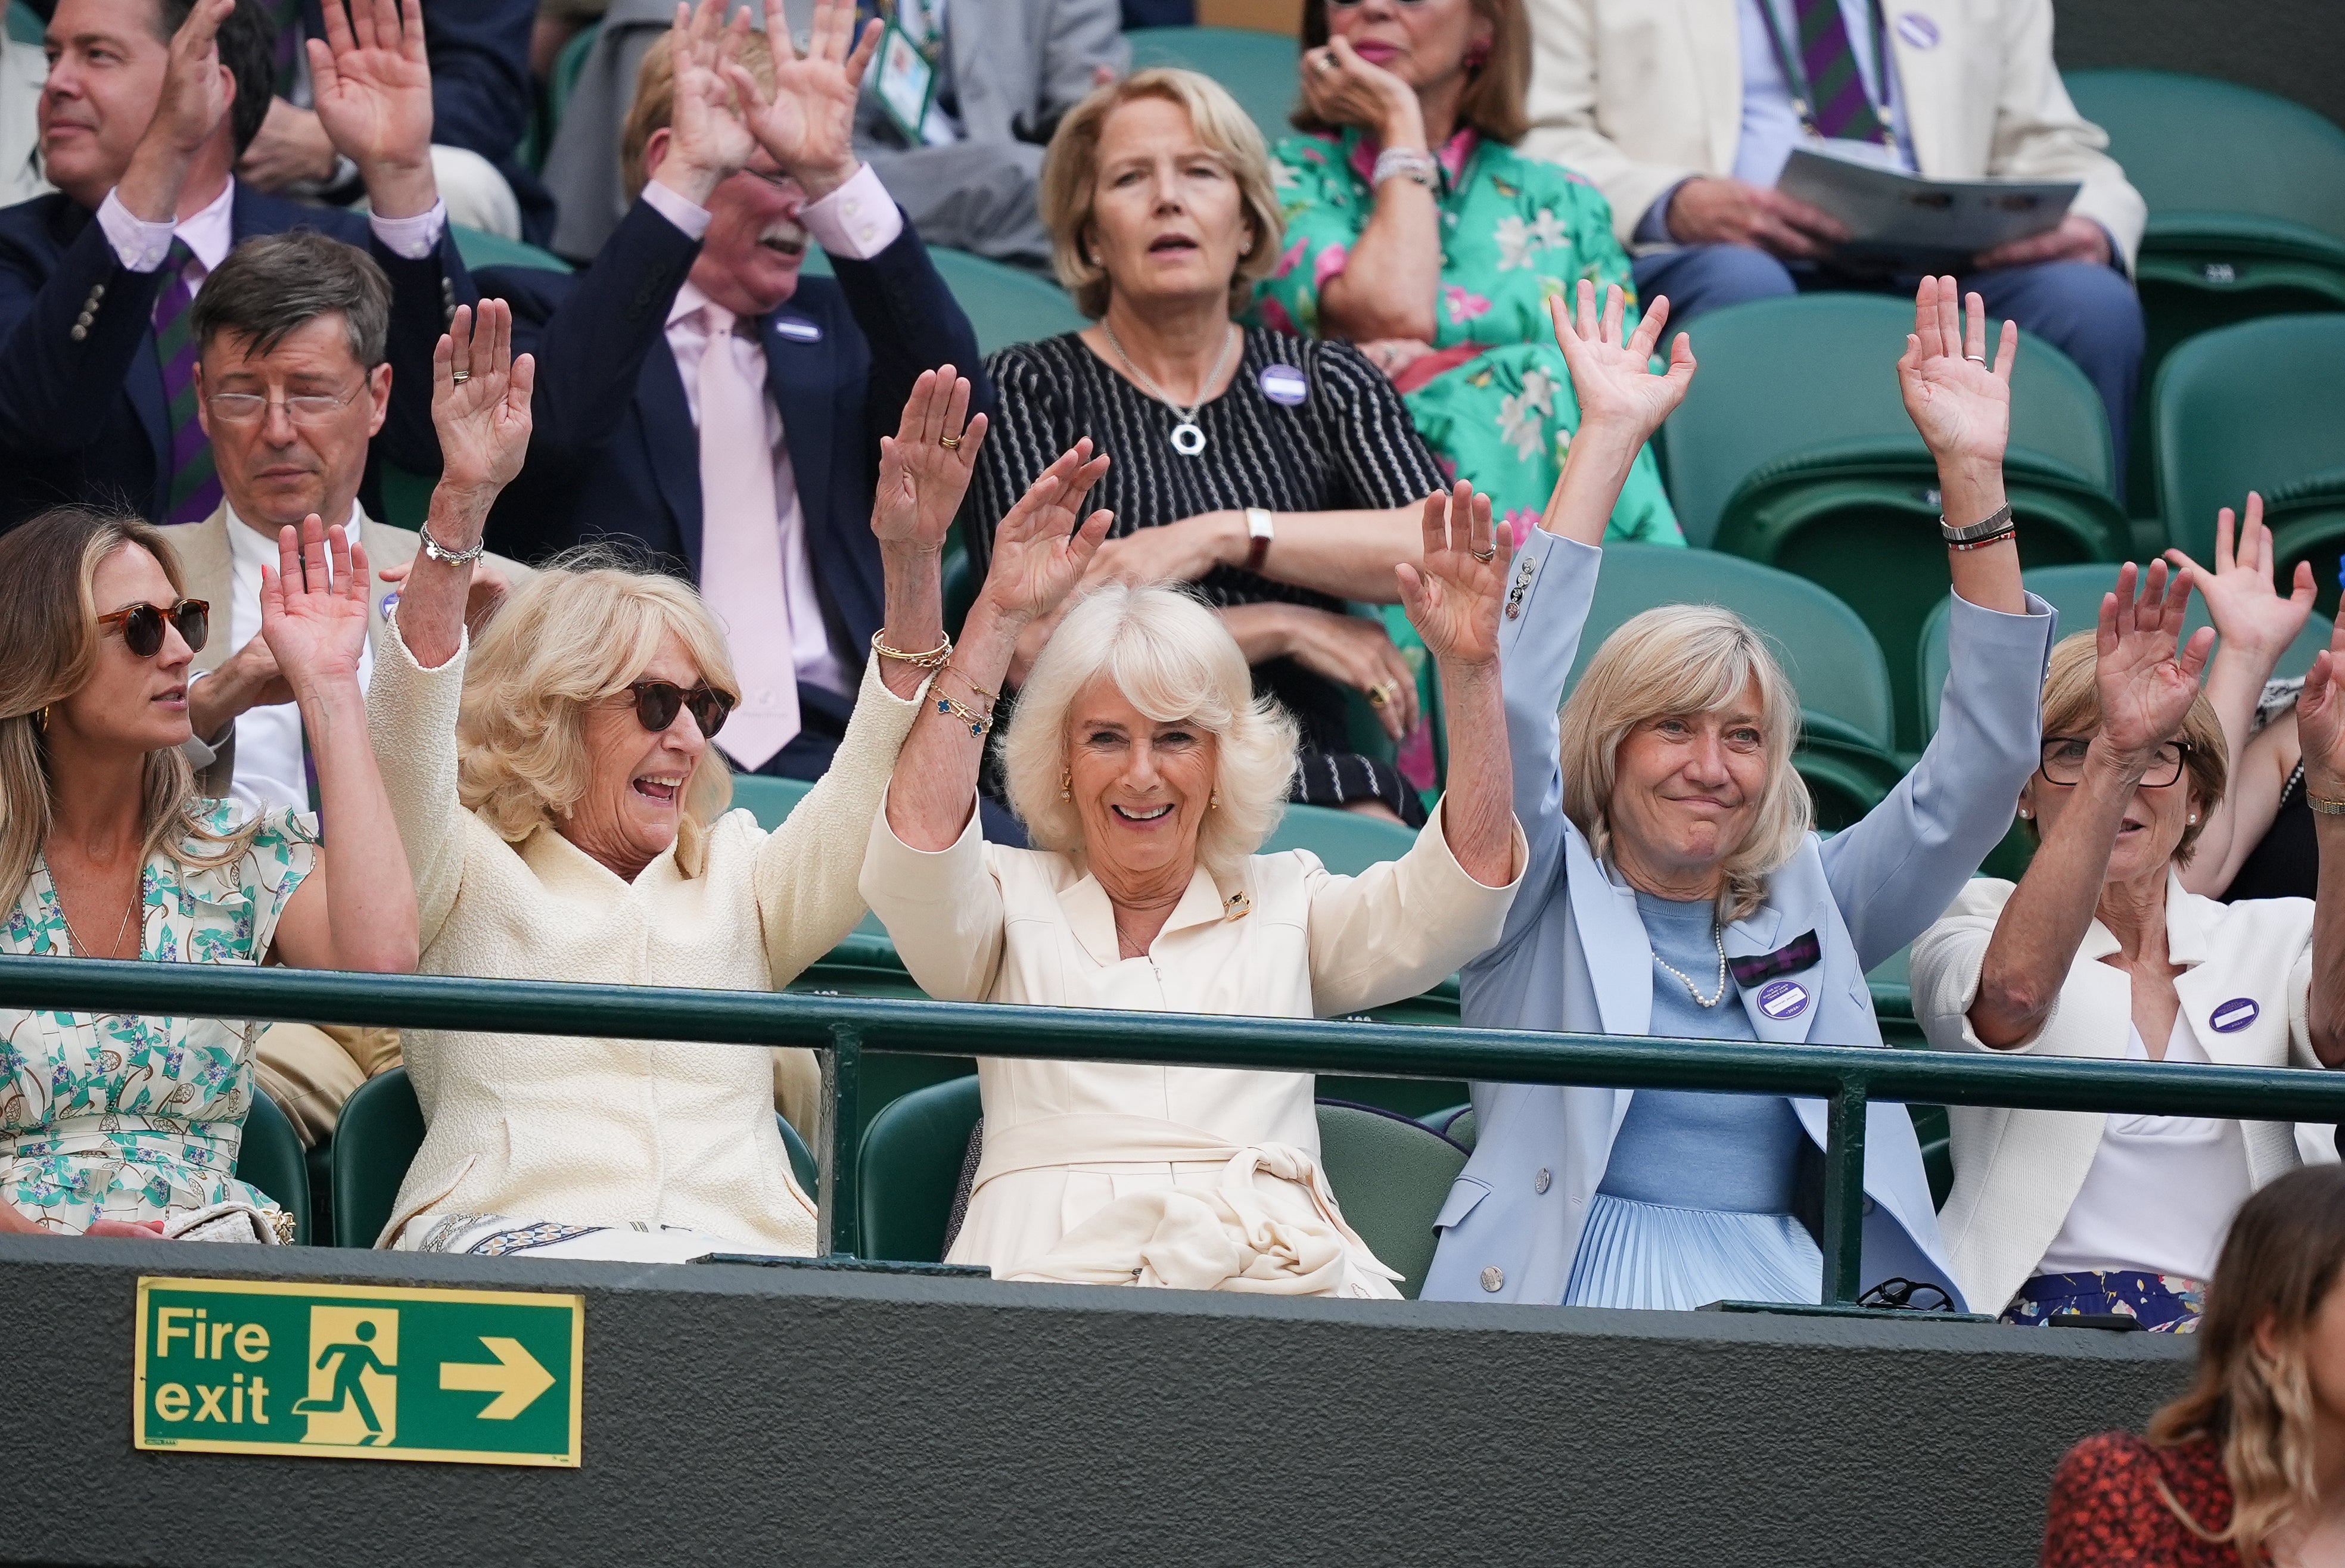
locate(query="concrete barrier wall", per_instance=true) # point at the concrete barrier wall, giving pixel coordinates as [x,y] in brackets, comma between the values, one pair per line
[743,1414]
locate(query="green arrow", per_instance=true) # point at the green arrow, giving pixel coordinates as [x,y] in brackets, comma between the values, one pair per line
[516,1378]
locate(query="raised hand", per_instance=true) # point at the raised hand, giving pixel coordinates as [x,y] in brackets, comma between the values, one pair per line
[2321,719]
[315,628]
[807,124]
[373,91]
[2146,687]
[1452,597]
[1614,383]
[1039,553]
[925,467]
[194,100]
[708,141]
[1960,404]
[1343,88]
[2249,614]
[480,404]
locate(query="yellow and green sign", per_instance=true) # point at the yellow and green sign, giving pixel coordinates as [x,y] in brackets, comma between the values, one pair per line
[357,1372]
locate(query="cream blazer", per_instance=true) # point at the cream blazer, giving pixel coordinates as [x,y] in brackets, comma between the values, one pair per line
[1639,95]
[1284,939]
[605,1131]
[2017,1171]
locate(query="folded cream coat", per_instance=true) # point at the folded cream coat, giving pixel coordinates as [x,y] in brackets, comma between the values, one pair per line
[1205,1177]
[2017,1171]
[602,1131]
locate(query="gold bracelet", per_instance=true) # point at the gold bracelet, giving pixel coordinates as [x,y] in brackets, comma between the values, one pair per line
[2323,807]
[979,724]
[988,696]
[934,659]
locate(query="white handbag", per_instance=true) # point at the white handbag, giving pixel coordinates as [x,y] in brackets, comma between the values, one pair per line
[233,1221]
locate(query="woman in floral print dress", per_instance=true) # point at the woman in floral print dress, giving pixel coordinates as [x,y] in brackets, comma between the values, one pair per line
[113,1124]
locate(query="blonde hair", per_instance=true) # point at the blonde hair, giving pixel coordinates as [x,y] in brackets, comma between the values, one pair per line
[48,649]
[1687,659]
[1173,660]
[654,107]
[1071,171]
[2072,707]
[2279,1264]
[578,633]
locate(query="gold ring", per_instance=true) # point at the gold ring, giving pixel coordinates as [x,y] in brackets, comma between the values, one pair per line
[1378,695]
[460,377]
[1485,556]
[950,443]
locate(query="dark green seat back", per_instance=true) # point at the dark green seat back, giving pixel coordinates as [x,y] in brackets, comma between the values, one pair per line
[1390,1176]
[2252,407]
[1345,842]
[769,799]
[481,249]
[1258,68]
[375,1140]
[907,1168]
[271,1158]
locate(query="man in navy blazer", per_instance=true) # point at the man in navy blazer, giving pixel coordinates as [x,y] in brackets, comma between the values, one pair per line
[621,449]
[146,107]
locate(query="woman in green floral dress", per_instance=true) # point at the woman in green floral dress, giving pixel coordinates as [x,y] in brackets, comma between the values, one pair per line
[112,1124]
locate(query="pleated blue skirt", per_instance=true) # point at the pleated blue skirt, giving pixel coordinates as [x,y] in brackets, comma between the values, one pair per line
[1652,1255]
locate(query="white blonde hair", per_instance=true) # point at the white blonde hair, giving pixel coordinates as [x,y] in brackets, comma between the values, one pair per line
[576,634]
[1173,658]
[1687,659]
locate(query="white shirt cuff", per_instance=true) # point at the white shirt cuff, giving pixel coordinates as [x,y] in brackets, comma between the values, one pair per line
[413,237]
[859,220]
[684,213]
[139,245]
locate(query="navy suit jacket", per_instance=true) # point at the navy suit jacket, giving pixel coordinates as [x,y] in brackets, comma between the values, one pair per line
[84,419]
[614,455]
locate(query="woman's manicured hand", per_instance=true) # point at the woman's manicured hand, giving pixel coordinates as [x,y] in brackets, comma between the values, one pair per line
[1355,652]
[1039,554]
[2250,615]
[1615,383]
[921,478]
[1342,89]
[1960,406]
[2146,687]
[315,632]
[1452,597]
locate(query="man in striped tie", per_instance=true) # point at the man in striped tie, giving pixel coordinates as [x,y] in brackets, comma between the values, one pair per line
[1683,113]
[146,107]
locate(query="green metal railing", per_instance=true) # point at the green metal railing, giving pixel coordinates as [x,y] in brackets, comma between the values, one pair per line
[844,1029]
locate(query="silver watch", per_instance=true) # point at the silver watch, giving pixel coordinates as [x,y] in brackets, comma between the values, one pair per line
[1998,520]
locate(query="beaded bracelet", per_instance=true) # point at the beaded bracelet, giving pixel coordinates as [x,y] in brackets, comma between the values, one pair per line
[934,659]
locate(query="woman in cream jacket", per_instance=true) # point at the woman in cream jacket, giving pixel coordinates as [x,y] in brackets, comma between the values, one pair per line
[2099,952]
[559,804]
[1149,773]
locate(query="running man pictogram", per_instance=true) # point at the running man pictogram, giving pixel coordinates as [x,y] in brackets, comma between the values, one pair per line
[357,1359]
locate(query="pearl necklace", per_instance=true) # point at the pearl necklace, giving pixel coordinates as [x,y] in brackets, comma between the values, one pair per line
[1717,935]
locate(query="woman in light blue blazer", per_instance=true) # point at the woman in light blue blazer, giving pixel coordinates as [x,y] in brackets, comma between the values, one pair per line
[1676,888]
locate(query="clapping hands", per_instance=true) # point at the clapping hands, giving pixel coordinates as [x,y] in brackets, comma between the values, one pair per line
[925,467]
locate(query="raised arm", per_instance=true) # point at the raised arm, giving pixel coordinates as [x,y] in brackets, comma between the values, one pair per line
[1453,600]
[2255,625]
[2145,689]
[2320,723]
[1621,404]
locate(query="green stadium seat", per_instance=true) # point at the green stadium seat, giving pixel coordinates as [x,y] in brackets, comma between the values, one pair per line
[25,25]
[908,1166]
[1345,842]
[1260,69]
[481,249]
[2259,406]
[1004,304]
[1390,1176]
[1793,449]
[2247,206]
[1454,1122]
[271,1157]
[375,1139]
[769,799]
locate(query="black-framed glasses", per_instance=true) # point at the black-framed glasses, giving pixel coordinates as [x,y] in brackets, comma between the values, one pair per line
[659,702]
[1908,1296]
[2062,762]
[142,625]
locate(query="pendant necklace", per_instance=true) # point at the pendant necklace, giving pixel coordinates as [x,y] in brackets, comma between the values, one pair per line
[1717,935]
[84,948]
[1187,438]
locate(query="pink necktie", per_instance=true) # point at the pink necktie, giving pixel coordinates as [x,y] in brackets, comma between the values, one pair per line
[741,548]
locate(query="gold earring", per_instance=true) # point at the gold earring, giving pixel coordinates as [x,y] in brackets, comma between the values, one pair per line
[1215,802]
[41,719]
[1066,783]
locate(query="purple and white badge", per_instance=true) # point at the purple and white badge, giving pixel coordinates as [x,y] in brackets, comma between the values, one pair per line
[389,603]
[1918,30]
[797,328]
[2235,1014]
[1784,999]
[1284,384]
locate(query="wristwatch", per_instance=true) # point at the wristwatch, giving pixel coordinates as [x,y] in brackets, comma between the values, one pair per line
[1997,522]
[1260,532]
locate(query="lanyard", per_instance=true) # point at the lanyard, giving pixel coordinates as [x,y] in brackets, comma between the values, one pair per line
[1795,77]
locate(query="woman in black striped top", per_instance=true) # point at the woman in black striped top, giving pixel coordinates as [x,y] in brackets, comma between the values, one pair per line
[1157,193]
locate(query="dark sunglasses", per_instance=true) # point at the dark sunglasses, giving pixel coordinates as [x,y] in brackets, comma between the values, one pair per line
[1907,1296]
[657,703]
[142,625]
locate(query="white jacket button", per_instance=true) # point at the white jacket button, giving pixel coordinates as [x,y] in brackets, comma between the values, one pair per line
[1540,1182]
[1494,1278]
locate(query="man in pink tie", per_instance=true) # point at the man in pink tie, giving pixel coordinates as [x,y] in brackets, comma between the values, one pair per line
[700,401]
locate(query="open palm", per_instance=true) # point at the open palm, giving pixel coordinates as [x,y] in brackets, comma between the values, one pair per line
[1960,404]
[1614,382]
[922,479]
[2144,685]
[807,121]
[1453,597]
[480,398]
[1039,553]
[2321,718]
[2250,615]
[315,630]
[371,82]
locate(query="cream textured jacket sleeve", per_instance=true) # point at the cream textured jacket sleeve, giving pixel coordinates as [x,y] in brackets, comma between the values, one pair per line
[1380,936]
[412,721]
[943,908]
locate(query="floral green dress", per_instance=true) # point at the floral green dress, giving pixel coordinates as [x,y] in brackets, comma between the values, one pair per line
[128,1117]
